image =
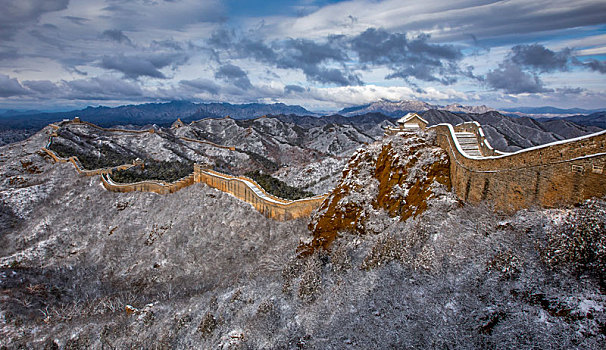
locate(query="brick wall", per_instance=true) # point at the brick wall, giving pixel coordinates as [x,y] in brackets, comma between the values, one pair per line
[561,173]
[474,128]
[273,207]
[80,169]
[159,187]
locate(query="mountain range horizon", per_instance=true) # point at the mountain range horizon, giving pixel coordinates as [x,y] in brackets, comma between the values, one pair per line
[413,105]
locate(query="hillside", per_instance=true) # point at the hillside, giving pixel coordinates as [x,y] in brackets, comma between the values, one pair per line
[81,267]
[303,151]
[399,108]
[285,146]
[597,119]
[148,113]
[368,119]
[511,134]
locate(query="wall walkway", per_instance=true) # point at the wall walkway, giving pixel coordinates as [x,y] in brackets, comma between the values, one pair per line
[247,190]
[159,187]
[80,169]
[241,187]
[560,173]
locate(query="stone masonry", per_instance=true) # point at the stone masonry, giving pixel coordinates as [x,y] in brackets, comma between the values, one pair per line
[557,174]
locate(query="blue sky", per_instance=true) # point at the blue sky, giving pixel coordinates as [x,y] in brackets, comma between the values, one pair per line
[323,55]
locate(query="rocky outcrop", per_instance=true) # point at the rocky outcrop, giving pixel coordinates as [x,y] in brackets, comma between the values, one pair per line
[389,180]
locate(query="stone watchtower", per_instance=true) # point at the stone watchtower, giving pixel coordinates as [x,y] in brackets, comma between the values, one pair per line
[409,122]
[412,121]
[177,124]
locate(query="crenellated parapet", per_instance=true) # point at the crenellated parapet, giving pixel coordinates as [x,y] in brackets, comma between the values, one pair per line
[160,187]
[560,173]
[249,191]
[240,187]
[80,169]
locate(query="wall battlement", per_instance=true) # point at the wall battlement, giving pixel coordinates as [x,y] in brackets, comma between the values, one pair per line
[159,187]
[556,174]
[240,187]
[151,130]
[247,190]
[80,169]
[560,173]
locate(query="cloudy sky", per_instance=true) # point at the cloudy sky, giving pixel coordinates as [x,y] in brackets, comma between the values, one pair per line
[321,54]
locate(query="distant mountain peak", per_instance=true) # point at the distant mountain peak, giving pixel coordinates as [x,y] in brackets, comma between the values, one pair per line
[395,108]
[455,107]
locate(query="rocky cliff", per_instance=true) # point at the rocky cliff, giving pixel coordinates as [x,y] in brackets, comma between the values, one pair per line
[396,178]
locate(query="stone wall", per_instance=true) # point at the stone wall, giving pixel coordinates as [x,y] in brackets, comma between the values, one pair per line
[556,174]
[80,169]
[159,187]
[231,148]
[475,128]
[247,190]
[243,188]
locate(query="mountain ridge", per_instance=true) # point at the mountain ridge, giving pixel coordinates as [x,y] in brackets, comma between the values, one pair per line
[147,113]
[398,108]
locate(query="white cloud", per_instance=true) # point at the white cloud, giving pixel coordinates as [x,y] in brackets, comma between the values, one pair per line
[445,20]
[356,95]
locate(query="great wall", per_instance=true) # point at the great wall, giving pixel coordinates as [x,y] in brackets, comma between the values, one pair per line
[240,187]
[551,175]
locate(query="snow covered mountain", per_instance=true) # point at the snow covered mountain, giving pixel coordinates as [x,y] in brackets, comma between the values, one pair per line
[405,265]
[399,108]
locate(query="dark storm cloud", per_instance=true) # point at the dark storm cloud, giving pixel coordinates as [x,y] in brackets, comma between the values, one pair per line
[45,87]
[512,80]
[221,39]
[298,54]
[202,85]
[234,75]
[11,87]
[519,71]
[540,58]
[132,67]
[290,89]
[380,47]
[310,57]
[329,62]
[138,66]
[407,58]
[595,65]
[116,35]
[15,15]
[77,20]
[570,90]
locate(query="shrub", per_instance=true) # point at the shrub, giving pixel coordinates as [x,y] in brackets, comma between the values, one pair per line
[311,279]
[580,241]
[208,324]
[106,159]
[155,170]
[387,249]
[276,187]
